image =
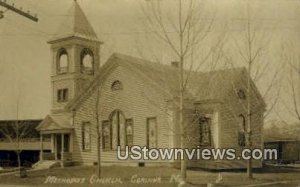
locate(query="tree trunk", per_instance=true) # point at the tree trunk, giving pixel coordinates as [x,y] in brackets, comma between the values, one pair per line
[181,96]
[98,156]
[249,131]
[249,162]
[181,121]
[19,159]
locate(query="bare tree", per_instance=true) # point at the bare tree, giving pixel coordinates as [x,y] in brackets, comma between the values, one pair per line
[16,132]
[251,47]
[292,101]
[183,32]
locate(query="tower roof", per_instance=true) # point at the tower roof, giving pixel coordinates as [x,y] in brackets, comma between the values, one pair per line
[75,25]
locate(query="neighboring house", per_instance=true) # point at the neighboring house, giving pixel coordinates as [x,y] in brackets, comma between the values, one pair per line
[29,142]
[137,103]
[285,138]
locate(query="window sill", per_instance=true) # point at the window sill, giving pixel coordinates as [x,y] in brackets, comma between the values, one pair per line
[62,101]
[61,73]
[86,150]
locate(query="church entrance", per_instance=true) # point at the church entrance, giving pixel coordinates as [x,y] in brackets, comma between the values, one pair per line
[62,144]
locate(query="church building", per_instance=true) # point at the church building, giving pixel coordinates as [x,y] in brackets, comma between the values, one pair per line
[131,101]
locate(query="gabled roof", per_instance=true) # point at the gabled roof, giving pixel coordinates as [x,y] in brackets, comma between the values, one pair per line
[213,85]
[55,122]
[75,25]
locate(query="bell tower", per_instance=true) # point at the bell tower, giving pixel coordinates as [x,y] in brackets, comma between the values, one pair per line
[75,52]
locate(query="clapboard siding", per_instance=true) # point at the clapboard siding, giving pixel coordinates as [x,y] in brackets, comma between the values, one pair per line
[225,126]
[229,127]
[229,117]
[138,101]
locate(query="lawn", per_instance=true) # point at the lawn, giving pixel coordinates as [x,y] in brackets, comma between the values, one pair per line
[147,176]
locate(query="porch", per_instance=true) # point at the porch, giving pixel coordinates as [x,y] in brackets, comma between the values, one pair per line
[60,147]
[60,131]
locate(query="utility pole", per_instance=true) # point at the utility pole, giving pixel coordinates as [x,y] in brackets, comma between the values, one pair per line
[19,11]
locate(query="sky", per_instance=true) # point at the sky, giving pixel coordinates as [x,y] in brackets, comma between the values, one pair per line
[25,55]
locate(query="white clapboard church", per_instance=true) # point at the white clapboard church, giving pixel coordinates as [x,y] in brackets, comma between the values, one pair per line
[134,101]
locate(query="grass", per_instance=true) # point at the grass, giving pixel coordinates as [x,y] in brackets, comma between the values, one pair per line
[148,176]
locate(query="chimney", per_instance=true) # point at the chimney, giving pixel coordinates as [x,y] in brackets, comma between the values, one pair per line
[175,64]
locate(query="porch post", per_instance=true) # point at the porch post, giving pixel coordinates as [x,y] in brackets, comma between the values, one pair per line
[52,143]
[62,146]
[55,146]
[41,147]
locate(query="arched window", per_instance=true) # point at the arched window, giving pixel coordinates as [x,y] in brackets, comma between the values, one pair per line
[242,130]
[204,131]
[242,122]
[62,61]
[87,61]
[118,122]
[117,131]
[116,85]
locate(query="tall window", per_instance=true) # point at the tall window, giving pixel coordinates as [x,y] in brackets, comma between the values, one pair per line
[117,131]
[87,61]
[242,130]
[86,136]
[106,134]
[62,61]
[151,133]
[62,95]
[204,130]
[129,132]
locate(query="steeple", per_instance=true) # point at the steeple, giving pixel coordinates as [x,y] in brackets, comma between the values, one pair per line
[75,58]
[75,25]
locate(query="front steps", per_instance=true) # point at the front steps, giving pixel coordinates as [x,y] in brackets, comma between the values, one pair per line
[46,164]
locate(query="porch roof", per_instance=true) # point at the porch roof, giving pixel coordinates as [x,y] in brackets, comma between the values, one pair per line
[56,123]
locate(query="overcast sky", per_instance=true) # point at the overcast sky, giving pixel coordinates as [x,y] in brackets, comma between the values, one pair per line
[25,55]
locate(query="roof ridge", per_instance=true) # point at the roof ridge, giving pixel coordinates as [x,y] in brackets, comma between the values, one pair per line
[129,57]
[200,87]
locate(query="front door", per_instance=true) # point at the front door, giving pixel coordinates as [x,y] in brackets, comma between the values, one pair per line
[59,144]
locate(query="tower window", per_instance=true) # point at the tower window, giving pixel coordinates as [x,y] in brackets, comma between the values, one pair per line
[87,62]
[62,65]
[62,95]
